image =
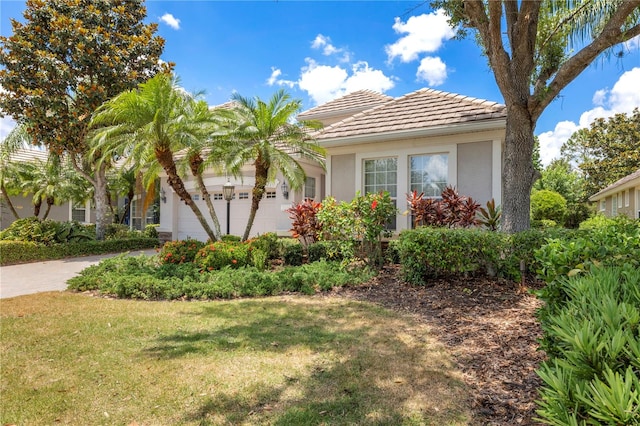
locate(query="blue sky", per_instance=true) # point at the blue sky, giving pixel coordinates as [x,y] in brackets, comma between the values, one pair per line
[319,50]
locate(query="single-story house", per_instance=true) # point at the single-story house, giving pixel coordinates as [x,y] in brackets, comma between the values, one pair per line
[83,212]
[620,198]
[423,141]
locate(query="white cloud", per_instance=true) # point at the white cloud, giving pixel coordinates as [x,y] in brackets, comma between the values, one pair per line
[328,49]
[622,98]
[432,70]
[274,80]
[171,21]
[424,34]
[324,83]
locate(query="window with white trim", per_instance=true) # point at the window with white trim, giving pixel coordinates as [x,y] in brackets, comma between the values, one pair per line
[626,198]
[428,174]
[381,175]
[310,188]
[603,205]
[78,212]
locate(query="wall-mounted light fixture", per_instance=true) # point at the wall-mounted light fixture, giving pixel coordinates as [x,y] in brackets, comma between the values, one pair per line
[163,195]
[285,190]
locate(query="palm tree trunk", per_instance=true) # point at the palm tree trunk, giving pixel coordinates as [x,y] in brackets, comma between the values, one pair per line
[165,159]
[50,201]
[195,163]
[7,200]
[36,207]
[257,193]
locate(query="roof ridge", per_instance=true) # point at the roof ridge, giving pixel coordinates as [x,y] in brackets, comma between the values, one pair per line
[372,93]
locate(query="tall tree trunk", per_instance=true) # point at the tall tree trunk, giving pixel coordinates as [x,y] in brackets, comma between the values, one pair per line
[101,200]
[165,158]
[195,162]
[50,202]
[518,174]
[8,202]
[262,172]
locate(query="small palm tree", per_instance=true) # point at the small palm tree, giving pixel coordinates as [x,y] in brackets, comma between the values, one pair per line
[149,125]
[15,140]
[268,135]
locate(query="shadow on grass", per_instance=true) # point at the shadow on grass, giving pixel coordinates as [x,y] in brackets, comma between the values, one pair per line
[364,368]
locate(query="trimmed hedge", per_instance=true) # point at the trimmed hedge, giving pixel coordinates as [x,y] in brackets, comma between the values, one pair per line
[428,252]
[13,252]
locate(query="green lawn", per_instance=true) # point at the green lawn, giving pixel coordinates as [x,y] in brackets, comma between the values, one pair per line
[74,359]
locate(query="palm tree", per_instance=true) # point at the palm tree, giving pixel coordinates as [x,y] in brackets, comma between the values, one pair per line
[147,126]
[268,135]
[15,140]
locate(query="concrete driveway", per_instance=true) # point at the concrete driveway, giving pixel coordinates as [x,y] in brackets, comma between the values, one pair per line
[51,275]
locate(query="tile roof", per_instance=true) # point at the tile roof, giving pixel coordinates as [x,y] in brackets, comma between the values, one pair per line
[28,154]
[421,109]
[620,182]
[358,100]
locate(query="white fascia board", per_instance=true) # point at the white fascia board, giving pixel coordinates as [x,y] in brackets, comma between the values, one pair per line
[414,133]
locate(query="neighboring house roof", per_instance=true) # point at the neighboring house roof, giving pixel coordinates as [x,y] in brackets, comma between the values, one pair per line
[28,154]
[354,101]
[626,182]
[422,109]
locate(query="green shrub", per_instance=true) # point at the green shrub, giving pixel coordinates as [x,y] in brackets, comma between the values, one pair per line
[47,232]
[597,221]
[12,252]
[230,238]
[218,255]
[268,243]
[293,254]
[614,244]
[142,278]
[180,251]
[592,341]
[151,230]
[548,205]
[431,252]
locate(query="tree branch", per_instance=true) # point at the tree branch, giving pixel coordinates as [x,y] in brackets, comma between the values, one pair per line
[610,35]
[74,163]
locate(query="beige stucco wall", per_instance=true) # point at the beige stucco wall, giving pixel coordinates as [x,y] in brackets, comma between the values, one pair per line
[474,162]
[474,170]
[343,179]
[24,208]
[630,210]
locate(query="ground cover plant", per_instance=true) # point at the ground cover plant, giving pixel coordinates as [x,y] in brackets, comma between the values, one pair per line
[73,359]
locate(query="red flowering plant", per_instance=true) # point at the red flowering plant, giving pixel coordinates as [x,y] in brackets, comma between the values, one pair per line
[305,225]
[451,210]
[181,251]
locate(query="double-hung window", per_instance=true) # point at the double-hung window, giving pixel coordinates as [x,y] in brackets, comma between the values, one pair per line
[310,188]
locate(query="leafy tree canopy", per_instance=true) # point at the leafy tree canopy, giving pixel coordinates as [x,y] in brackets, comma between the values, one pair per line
[67,58]
[536,48]
[607,151]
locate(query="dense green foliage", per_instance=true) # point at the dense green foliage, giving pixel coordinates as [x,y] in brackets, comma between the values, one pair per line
[180,251]
[428,252]
[12,252]
[144,278]
[606,151]
[615,243]
[548,205]
[591,335]
[46,232]
[354,230]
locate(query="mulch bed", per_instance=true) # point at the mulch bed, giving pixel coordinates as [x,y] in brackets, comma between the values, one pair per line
[489,326]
